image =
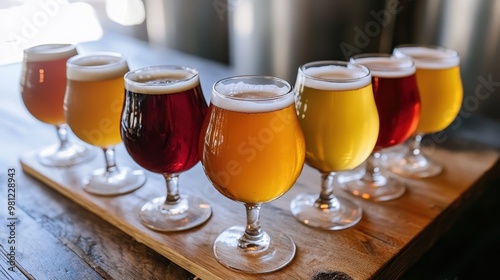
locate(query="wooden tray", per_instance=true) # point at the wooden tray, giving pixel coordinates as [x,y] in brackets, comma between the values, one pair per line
[390,237]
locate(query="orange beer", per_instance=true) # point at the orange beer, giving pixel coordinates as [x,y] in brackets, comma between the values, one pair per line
[439,84]
[43,81]
[339,117]
[95,96]
[251,151]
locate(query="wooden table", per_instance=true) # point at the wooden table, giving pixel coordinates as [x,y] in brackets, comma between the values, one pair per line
[58,238]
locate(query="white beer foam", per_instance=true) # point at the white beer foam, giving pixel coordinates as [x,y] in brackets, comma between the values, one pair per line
[48,52]
[242,97]
[161,80]
[96,67]
[429,58]
[387,67]
[333,77]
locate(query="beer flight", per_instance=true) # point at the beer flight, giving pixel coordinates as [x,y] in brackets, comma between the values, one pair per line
[252,139]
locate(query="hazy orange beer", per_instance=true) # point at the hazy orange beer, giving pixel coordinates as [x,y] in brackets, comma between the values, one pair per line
[252,150]
[252,154]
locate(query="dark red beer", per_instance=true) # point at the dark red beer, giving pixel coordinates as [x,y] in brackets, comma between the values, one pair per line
[398,106]
[396,96]
[162,117]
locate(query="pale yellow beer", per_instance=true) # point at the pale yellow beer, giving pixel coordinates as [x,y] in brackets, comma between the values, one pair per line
[439,84]
[338,116]
[252,154]
[94,97]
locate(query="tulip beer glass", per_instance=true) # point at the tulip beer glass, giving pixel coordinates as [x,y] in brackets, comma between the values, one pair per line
[161,122]
[252,151]
[398,105]
[43,84]
[93,104]
[441,93]
[338,115]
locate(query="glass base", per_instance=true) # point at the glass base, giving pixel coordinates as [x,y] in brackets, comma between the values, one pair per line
[416,166]
[55,156]
[123,181]
[279,252]
[382,189]
[189,212]
[342,215]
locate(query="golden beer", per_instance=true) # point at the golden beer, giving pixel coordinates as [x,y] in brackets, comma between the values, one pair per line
[339,119]
[439,84]
[94,98]
[251,154]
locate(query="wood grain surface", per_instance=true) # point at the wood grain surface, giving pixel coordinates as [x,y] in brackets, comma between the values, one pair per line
[391,235]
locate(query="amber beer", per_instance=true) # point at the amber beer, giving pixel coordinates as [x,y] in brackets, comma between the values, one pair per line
[252,148]
[338,116]
[43,82]
[95,97]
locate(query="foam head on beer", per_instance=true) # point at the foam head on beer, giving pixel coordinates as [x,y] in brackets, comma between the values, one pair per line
[49,52]
[334,77]
[251,98]
[387,66]
[96,67]
[162,80]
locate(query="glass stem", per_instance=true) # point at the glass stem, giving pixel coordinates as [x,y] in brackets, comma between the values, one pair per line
[373,174]
[414,145]
[254,238]
[327,199]
[62,134]
[173,195]
[414,156]
[109,156]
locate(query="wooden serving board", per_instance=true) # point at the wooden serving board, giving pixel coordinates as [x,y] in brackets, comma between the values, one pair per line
[390,237]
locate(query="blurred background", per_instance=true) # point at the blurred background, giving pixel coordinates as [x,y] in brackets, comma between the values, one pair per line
[275,37]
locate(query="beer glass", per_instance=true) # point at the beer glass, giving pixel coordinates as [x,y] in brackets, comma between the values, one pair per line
[93,104]
[252,151]
[338,115]
[441,94]
[43,83]
[161,122]
[398,104]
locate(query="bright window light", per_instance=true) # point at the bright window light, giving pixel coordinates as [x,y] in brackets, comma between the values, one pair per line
[126,12]
[28,23]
